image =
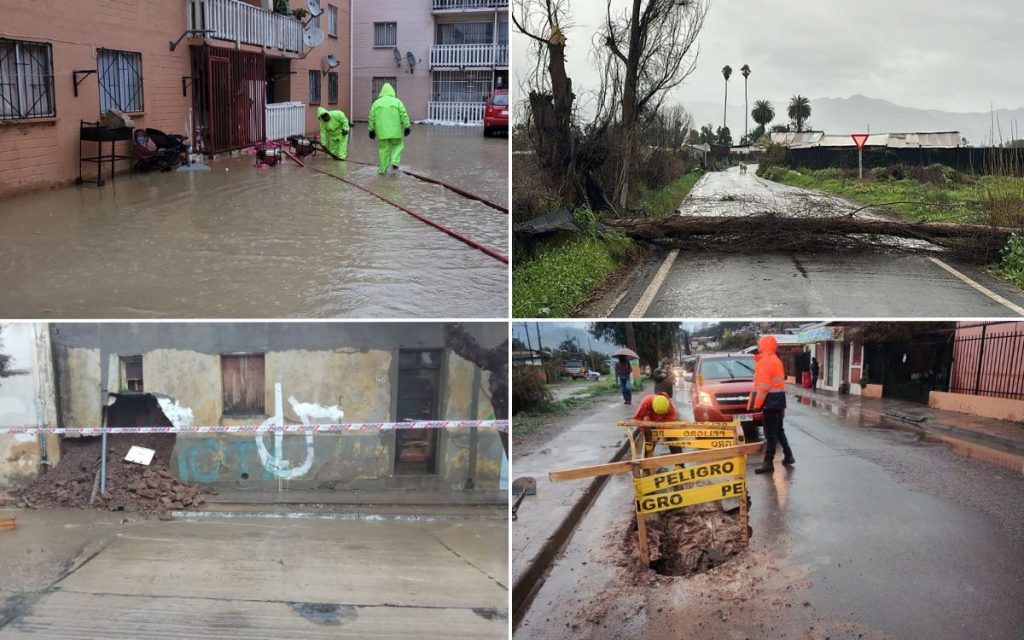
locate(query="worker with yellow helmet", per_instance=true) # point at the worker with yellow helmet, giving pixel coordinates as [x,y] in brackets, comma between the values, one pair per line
[656,407]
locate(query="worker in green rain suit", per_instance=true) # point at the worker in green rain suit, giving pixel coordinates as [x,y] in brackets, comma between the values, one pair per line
[389,123]
[334,131]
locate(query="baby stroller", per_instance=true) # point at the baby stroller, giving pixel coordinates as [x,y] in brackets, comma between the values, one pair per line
[154,149]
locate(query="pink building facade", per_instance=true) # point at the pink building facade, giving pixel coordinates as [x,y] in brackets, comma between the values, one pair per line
[444,57]
[239,73]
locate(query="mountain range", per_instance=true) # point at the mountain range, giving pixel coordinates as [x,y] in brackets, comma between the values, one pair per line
[861,114]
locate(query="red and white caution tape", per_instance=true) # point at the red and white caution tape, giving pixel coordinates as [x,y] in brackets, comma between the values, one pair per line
[500,425]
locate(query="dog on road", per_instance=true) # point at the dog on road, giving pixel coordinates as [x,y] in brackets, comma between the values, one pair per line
[743,167]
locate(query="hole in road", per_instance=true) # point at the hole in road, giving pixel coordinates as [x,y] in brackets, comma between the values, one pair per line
[691,540]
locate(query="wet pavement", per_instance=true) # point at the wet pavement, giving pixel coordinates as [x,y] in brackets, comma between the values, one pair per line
[251,578]
[873,534]
[877,283]
[276,242]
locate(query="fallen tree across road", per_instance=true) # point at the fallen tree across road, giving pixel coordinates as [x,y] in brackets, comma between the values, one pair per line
[777,232]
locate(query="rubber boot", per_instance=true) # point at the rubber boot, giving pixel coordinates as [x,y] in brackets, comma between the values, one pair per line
[766,467]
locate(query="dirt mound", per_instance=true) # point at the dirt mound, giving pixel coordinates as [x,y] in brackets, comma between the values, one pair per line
[148,490]
[690,540]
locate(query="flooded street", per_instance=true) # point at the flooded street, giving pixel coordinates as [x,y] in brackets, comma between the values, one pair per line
[283,241]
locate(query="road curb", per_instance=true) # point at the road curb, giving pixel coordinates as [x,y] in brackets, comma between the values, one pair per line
[530,580]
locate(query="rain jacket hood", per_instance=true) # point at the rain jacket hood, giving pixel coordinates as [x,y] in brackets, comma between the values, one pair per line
[769,390]
[388,117]
[767,345]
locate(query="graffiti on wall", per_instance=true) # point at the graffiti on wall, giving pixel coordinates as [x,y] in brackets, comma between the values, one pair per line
[203,459]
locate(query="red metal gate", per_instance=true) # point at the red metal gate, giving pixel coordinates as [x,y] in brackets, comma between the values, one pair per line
[229,99]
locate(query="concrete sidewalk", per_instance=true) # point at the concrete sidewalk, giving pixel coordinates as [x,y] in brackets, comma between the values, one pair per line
[996,441]
[546,518]
[95,576]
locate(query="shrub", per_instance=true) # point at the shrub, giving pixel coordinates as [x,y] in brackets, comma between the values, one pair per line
[774,156]
[1011,266]
[528,391]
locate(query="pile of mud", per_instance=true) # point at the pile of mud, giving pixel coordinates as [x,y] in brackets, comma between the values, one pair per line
[147,490]
[689,540]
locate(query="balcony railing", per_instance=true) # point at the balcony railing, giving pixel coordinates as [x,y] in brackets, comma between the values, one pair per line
[285,119]
[469,5]
[243,23]
[469,55]
[456,112]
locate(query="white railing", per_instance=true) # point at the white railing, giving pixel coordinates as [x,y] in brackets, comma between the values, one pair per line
[469,55]
[285,119]
[461,112]
[243,23]
[464,5]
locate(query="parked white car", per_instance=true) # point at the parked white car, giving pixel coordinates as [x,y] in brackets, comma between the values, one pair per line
[593,376]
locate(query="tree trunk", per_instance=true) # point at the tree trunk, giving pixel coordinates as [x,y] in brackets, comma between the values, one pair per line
[771,225]
[494,361]
[629,114]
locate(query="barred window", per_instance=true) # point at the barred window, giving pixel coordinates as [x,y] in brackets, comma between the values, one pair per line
[314,87]
[332,20]
[26,80]
[332,87]
[379,82]
[385,34]
[120,80]
[461,86]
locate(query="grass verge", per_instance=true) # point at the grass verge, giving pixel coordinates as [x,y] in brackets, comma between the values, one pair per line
[665,201]
[1011,266]
[939,194]
[536,420]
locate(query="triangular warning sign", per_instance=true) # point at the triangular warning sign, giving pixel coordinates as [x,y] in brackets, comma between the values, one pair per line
[859,139]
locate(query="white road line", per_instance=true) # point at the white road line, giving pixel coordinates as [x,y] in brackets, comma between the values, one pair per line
[991,294]
[652,289]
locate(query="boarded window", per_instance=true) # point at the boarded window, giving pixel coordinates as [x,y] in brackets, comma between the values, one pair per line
[314,87]
[131,373]
[26,80]
[332,20]
[120,80]
[419,398]
[243,382]
[378,82]
[332,87]
[385,34]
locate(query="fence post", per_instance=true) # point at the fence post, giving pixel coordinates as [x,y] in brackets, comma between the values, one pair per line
[981,355]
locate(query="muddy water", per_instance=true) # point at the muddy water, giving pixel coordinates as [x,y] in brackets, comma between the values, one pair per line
[278,242]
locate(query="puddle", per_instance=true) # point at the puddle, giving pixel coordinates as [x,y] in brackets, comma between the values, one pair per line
[322,613]
[491,613]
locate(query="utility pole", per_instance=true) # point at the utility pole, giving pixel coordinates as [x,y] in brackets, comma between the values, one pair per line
[540,347]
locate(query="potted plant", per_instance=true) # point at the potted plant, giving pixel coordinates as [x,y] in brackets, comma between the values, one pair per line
[282,7]
[300,14]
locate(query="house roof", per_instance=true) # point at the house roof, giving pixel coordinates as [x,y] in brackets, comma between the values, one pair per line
[916,140]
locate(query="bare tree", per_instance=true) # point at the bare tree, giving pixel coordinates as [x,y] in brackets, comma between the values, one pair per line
[493,360]
[653,44]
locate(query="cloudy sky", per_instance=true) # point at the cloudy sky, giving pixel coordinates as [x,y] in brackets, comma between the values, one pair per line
[935,54]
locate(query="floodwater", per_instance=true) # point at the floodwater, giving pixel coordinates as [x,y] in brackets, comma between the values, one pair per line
[284,241]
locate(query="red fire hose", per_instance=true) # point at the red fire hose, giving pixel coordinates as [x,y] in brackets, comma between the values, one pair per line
[440,227]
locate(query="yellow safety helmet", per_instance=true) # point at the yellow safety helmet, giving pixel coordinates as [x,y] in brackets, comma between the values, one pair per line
[660,405]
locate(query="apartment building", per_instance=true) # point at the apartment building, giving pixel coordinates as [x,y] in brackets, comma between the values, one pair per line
[444,57]
[227,73]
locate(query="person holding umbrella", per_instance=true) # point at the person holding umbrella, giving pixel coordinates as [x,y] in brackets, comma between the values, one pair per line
[623,372]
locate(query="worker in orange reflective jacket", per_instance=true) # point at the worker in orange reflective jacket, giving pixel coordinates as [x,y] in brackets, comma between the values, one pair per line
[769,397]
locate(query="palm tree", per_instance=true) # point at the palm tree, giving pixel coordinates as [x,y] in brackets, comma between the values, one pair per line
[763,112]
[726,71]
[799,110]
[745,70]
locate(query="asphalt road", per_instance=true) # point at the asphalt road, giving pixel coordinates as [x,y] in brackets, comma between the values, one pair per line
[873,284]
[872,534]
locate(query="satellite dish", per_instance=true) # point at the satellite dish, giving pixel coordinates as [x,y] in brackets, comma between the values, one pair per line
[331,61]
[411,60]
[398,57]
[312,37]
[314,8]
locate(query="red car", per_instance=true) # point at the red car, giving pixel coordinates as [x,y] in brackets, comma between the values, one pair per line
[721,388]
[496,113]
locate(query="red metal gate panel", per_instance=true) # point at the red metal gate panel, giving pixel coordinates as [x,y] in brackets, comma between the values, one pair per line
[229,100]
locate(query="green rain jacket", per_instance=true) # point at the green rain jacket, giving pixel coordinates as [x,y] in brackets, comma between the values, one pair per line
[388,117]
[337,123]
